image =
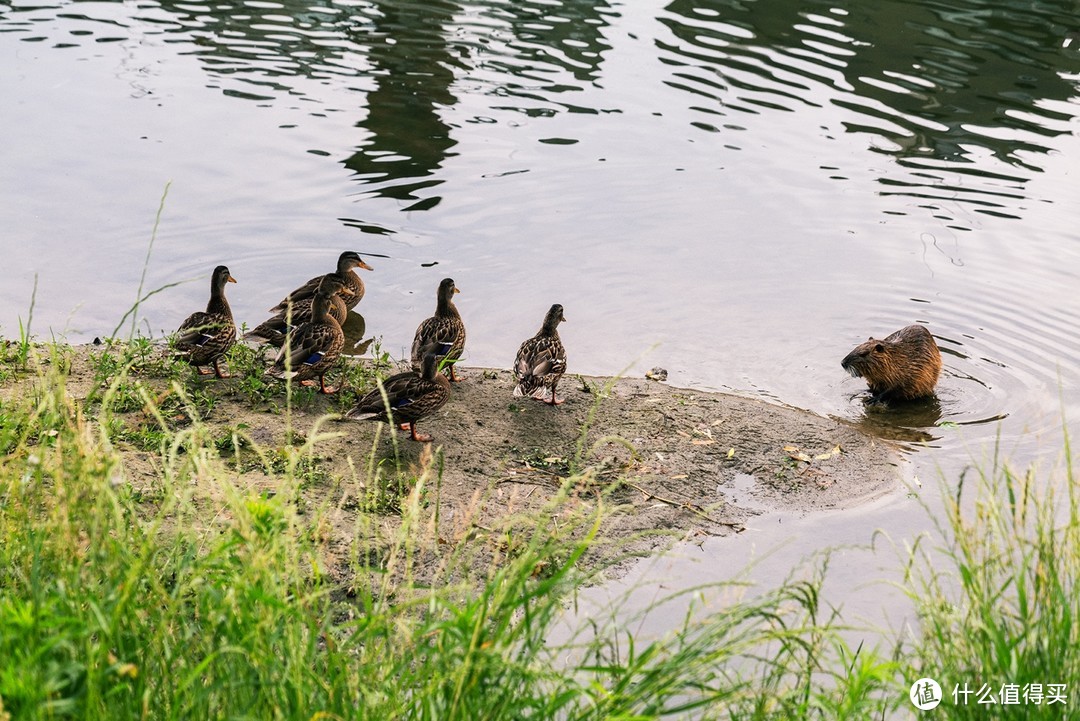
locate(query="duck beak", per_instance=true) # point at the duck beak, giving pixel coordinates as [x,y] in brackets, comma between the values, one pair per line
[456,289]
[348,292]
[231,279]
[365,266]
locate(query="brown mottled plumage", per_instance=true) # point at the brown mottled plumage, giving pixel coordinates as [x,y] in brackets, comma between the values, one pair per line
[312,348]
[346,262]
[410,396]
[541,360]
[902,366]
[204,337]
[274,329]
[444,331]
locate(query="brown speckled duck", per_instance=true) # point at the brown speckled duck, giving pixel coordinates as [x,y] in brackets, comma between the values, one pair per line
[444,331]
[410,396]
[205,336]
[346,262]
[541,360]
[312,348]
[273,330]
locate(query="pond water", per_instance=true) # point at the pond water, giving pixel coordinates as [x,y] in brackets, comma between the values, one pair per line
[738,191]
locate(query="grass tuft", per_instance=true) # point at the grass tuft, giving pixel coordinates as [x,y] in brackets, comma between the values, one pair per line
[999,599]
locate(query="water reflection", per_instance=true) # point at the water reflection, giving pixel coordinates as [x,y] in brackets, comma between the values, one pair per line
[541,51]
[354,328]
[939,85]
[405,58]
[413,65]
[908,423]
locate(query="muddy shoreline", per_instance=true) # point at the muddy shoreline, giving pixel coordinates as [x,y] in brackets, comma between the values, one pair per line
[684,462]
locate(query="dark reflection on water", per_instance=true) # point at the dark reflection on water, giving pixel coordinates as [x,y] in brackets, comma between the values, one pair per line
[413,64]
[355,328]
[936,84]
[939,82]
[544,42]
[406,58]
[909,422]
[917,423]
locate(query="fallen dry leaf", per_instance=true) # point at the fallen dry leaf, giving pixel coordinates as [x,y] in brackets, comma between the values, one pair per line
[825,456]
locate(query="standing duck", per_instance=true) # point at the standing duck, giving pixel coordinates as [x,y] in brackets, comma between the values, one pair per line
[273,330]
[410,396]
[205,337]
[312,348]
[345,264]
[444,331]
[541,360]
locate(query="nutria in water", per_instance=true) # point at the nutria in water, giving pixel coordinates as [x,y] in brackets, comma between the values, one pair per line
[903,366]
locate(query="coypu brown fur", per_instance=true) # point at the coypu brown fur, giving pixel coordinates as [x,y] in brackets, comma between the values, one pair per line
[903,366]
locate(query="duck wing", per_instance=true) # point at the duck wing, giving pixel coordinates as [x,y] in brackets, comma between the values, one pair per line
[436,335]
[540,363]
[312,343]
[540,357]
[199,329]
[408,396]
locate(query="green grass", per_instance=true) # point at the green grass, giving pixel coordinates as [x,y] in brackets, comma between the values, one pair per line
[999,599]
[192,595]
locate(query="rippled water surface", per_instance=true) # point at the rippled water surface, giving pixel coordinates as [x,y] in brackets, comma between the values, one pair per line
[740,191]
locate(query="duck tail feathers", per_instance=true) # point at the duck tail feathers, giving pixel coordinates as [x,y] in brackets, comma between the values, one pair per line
[528,387]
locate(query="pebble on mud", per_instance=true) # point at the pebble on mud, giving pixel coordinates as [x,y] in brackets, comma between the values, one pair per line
[657,374]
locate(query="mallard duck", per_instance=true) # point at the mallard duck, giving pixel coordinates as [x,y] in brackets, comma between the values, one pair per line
[205,336]
[410,396]
[541,360]
[312,348]
[345,264]
[273,331]
[444,331]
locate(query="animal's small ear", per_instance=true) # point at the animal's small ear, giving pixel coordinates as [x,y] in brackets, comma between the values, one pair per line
[879,348]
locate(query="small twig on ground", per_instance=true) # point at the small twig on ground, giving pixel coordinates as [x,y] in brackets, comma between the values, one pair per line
[692,507]
[525,481]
